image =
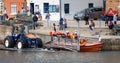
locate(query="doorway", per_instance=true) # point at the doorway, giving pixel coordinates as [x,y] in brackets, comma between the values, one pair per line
[32,8]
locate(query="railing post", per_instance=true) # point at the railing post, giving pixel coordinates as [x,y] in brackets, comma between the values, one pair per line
[65,41]
[52,42]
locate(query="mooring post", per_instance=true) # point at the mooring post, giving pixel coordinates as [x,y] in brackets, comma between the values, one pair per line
[99,31]
[78,18]
[78,45]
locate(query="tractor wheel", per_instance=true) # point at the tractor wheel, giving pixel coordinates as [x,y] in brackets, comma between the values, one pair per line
[21,43]
[39,43]
[8,42]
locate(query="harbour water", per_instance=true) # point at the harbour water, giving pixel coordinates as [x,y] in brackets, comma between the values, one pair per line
[37,56]
[59,57]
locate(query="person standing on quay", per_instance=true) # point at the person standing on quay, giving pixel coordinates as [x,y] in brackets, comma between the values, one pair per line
[86,19]
[5,16]
[23,11]
[92,27]
[61,24]
[47,17]
[64,23]
[35,19]
[115,18]
[110,13]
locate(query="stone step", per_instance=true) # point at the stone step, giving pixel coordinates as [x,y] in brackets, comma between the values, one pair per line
[83,30]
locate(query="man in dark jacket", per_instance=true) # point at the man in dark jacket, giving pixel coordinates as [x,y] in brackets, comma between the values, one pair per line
[35,19]
[61,24]
[86,19]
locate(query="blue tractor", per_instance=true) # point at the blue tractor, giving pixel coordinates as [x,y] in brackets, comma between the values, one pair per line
[22,39]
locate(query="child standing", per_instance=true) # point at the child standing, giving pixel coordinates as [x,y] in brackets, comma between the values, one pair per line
[48,19]
[64,24]
[115,18]
[92,26]
[110,25]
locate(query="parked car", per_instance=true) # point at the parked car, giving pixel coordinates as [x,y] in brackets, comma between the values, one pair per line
[94,13]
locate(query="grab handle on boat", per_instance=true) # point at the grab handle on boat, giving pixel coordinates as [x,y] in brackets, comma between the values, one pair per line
[82,42]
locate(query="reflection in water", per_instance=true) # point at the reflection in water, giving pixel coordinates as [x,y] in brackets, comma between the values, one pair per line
[59,57]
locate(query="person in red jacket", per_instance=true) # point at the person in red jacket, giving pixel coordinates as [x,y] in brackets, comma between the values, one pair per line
[110,14]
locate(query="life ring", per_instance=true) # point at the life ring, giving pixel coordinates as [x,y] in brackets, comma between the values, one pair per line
[82,42]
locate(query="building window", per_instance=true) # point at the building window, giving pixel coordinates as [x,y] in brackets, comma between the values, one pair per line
[53,8]
[36,8]
[57,8]
[66,8]
[1,6]
[46,7]
[13,8]
[90,5]
[50,8]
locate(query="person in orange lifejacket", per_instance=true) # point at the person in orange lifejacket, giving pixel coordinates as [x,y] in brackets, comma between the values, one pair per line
[75,35]
[110,13]
[67,34]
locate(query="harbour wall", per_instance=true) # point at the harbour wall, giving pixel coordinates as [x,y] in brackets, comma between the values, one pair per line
[110,43]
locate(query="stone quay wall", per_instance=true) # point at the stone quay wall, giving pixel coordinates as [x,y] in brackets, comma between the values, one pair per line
[110,44]
[5,31]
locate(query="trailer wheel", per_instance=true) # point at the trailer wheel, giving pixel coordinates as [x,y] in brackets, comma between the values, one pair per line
[39,43]
[21,43]
[8,42]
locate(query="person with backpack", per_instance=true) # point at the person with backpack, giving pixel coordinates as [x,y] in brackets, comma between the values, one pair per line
[35,19]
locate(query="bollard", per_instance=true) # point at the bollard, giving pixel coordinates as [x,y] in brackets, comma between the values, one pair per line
[26,29]
[50,33]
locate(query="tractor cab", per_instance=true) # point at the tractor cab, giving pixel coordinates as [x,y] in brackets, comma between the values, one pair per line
[18,29]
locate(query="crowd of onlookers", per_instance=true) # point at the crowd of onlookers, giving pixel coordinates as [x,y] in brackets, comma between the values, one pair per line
[109,16]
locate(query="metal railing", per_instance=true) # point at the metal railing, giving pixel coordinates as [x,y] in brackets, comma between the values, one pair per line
[59,40]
